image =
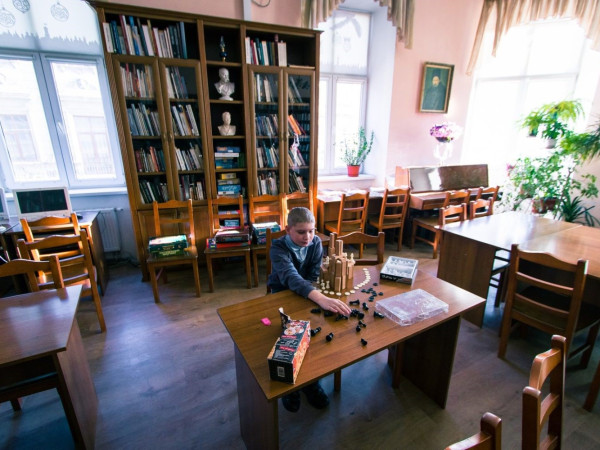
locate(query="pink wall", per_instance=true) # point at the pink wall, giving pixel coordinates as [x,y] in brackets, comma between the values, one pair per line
[443,33]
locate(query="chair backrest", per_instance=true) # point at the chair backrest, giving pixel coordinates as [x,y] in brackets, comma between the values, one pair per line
[357,238]
[294,200]
[488,438]
[452,213]
[225,208]
[394,206]
[270,236]
[353,212]
[266,208]
[539,409]
[457,197]
[490,192]
[46,224]
[75,268]
[174,217]
[544,292]
[35,272]
[480,208]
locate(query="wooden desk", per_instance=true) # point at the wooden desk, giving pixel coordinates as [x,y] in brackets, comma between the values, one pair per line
[40,335]
[425,356]
[89,221]
[424,201]
[468,248]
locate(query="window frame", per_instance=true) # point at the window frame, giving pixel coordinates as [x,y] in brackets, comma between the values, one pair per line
[41,62]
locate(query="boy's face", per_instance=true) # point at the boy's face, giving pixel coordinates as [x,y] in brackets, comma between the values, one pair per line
[301,234]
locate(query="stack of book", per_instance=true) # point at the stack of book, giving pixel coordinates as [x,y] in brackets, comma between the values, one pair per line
[259,231]
[228,158]
[166,246]
[232,237]
[228,184]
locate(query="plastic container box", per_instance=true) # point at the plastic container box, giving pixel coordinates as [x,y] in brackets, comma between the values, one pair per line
[411,307]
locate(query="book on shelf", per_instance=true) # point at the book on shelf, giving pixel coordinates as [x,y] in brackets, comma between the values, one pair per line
[402,270]
[227,176]
[228,181]
[108,39]
[296,97]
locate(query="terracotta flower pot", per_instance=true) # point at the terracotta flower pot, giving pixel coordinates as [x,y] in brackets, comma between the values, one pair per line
[353,171]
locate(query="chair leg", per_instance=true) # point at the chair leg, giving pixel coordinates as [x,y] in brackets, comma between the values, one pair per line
[337,381]
[154,283]
[96,298]
[590,399]
[255,265]
[17,404]
[413,234]
[196,277]
[209,268]
[436,243]
[591,340]
[248,272]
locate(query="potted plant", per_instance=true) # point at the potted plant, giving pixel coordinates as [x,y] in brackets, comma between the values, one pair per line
[355,150]
[551,121]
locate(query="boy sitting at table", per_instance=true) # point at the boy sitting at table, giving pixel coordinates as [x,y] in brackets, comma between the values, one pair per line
[296,260]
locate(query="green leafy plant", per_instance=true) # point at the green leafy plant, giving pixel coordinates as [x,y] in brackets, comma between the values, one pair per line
[551,121]
[573,210]
[356,148]
[585,145]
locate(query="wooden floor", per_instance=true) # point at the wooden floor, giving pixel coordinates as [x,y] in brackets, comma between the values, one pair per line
[165,378]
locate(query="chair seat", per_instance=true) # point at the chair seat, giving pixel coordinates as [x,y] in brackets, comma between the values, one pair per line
[332,227]
[430,222]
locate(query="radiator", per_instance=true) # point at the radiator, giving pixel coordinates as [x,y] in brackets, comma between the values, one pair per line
[108,222]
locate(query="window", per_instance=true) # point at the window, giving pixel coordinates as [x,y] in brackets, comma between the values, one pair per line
[343,84]
[56,121]
[535,64]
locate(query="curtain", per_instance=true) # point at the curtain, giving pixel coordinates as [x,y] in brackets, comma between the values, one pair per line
[400,13]
[509,13]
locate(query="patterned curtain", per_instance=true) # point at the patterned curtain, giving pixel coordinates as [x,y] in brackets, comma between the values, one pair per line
[400,13]
[509,13]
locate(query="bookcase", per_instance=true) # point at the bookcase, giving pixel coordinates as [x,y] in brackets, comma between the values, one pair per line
[176,126]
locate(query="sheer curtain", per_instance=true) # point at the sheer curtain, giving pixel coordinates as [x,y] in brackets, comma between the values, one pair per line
[400,13]
[515,12]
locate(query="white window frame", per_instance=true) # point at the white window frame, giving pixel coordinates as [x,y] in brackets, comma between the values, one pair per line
[42,65]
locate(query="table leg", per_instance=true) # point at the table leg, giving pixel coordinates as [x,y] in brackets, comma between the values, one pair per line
[467,264]
[427,360]
[259,421]
[76,390]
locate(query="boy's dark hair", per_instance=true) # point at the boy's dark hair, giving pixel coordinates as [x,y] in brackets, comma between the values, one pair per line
[300,215]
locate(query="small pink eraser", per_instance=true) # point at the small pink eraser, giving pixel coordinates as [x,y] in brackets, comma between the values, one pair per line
[265,321]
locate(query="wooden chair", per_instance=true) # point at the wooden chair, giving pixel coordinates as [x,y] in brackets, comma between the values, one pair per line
[352,216]
[76,269]
[271,235]
[170,219]
[216,215]
[546,293]
[358,238]
[264,208]
[431,224]
[488,438]
[305,200]
[539,410]
[394,209]
[35,272]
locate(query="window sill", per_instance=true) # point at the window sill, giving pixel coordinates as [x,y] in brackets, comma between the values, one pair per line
[344,178]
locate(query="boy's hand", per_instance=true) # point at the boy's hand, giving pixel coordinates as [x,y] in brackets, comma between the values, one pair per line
[330,304]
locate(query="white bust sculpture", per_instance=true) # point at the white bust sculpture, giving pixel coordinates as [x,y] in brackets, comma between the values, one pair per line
[224,86]
[226,129]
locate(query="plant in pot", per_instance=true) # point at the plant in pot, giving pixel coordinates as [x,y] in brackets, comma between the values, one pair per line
[355,150]
[551,121]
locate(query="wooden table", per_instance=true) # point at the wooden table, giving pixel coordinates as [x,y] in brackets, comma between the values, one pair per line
[468,248]
[425,354]
[328,208]
[40,336]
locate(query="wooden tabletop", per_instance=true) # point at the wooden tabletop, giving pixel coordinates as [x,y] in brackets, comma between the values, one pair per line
[503,230]
[37,323]
[254,340]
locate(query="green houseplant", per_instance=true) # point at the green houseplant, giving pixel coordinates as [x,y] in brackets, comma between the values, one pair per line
[355,150]
[551,121]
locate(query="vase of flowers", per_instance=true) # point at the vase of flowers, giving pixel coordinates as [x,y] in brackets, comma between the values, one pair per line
[444,134]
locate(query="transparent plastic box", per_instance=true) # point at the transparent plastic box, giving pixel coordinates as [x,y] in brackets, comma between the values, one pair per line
[411,307]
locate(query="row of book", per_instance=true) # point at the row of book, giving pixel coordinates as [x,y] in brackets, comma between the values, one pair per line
[143,121]
[293,92]
[137,80]
[184,122]
[266,53]
[266,125]
[267,156]
[268,183]
[295,126]
[152,191]
[149,159]
[176,86]
[189,158]
[265,88]
[130,36]
[295,157]
[191,188]
[229,185]
[295,183]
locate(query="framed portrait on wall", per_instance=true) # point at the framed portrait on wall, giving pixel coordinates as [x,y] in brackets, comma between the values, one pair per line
[435,87]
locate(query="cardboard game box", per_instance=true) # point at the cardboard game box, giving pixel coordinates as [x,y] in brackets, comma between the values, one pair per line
[401,270]
[287,354]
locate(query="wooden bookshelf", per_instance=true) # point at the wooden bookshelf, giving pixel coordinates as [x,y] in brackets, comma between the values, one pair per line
[163,66]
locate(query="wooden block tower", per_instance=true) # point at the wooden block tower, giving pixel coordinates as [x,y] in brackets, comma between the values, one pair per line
[337,271]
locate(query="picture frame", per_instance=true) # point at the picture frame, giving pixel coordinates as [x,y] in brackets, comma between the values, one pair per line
[436,83]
